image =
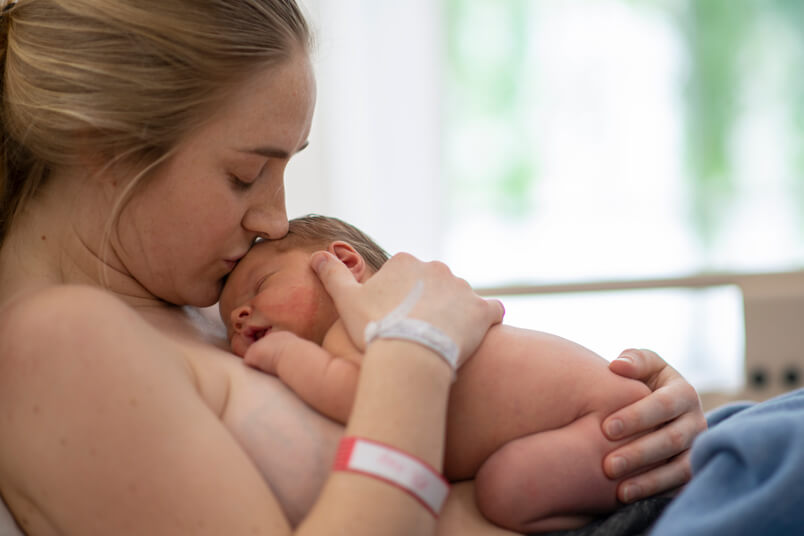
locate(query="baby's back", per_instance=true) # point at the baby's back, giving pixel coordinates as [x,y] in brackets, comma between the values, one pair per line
[521,382]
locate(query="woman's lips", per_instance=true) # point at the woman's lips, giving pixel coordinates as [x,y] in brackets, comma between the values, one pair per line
[232,261]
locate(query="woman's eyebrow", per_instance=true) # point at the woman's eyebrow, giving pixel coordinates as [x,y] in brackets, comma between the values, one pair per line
[273,152]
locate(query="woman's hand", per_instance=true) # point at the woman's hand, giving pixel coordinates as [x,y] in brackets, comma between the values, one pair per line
[446,302]
[674,407]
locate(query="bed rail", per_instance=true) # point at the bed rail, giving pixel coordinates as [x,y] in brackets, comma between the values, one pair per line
[773,305]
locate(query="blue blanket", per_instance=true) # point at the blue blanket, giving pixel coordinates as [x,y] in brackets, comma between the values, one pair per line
[748,473]
[748,479]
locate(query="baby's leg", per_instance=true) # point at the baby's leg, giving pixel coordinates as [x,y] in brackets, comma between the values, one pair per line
[547,481]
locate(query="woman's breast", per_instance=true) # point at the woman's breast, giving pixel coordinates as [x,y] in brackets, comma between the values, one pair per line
[291,445]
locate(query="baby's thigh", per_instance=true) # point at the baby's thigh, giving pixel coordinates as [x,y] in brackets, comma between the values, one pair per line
[550,480]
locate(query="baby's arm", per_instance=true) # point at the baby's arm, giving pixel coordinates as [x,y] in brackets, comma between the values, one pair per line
[325,381]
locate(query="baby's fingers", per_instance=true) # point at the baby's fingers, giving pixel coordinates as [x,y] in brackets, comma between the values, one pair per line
[264,354]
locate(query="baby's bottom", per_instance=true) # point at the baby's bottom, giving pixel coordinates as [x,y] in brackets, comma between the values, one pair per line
[550,480]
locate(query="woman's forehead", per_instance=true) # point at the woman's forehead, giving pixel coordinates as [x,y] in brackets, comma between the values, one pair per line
[273,108]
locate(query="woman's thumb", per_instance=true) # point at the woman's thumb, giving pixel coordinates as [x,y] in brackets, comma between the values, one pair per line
[334,275]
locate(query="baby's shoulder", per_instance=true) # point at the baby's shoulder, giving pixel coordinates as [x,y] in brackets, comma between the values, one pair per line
[337,341]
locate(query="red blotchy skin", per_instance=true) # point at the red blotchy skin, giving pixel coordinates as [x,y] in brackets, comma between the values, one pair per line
[304,313]
[275,291]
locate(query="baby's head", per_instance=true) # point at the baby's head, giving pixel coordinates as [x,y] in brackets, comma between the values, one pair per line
[274,288]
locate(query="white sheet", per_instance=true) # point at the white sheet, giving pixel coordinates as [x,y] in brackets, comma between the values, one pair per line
[7,525]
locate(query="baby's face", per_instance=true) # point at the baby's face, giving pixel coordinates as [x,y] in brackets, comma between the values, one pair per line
[273,290]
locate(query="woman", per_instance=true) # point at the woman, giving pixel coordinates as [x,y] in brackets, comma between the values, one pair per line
[145,143]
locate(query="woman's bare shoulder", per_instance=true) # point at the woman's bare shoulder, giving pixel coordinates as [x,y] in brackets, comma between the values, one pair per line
[95,398]
[66,301]
[60,313]
[70,327]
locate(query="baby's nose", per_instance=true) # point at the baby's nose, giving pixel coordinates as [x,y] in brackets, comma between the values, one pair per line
[239,317]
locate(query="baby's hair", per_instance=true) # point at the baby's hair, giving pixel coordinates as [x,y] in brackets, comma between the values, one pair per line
[316,231]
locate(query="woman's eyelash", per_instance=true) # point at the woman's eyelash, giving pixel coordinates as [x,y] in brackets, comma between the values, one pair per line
[238,183]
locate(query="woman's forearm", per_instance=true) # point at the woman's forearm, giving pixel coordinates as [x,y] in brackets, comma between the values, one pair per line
[401,401]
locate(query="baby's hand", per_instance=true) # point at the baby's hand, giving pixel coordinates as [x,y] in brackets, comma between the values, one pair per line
[266,353]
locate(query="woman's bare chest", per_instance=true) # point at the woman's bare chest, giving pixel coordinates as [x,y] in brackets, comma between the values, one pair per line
[291,445]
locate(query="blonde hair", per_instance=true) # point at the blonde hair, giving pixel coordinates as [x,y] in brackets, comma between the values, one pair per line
[315,231]
[126,78]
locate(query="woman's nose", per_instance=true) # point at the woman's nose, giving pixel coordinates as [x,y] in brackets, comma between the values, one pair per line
[268,219]
[239,317]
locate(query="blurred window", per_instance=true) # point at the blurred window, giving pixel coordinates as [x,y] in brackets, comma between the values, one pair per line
[550,141]
[626,139]
[605,139]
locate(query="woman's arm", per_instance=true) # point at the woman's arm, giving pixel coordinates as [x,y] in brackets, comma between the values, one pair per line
[674,406]
[402,392]
[104,430]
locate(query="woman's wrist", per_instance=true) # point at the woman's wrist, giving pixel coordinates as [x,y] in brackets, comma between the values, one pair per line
[410,357]
[396,468]
[397,325]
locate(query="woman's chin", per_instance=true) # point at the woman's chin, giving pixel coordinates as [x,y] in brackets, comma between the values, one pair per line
[206,297]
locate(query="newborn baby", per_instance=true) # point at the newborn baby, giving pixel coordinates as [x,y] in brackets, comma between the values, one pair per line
[525,411]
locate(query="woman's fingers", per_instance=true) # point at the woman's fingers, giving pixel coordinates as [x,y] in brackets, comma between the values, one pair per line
[669,418]
[643,365]
[441,299]
[334,275]
[665,477]
[496,310]
[344,290]
[672,395]
[658,446]
[663,405]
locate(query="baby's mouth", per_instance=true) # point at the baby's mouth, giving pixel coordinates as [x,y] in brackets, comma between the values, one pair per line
[256,334]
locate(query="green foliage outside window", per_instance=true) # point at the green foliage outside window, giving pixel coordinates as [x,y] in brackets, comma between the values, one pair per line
[487,77]
[487,82]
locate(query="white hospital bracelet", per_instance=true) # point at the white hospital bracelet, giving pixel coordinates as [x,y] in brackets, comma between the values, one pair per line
[397,326]
[395,467]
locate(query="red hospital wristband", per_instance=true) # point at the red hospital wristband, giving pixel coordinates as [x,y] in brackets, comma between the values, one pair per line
[391,465]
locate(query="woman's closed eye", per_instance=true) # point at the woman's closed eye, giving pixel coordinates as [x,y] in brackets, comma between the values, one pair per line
[238,183]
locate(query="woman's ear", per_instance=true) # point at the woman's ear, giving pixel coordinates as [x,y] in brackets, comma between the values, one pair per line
[351,258]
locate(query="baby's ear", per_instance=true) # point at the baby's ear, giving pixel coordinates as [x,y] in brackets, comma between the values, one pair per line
[349,256]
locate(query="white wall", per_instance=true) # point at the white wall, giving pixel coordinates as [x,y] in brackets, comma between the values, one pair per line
[374,156]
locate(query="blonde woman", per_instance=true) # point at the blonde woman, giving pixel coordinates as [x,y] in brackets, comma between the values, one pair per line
[144,148]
